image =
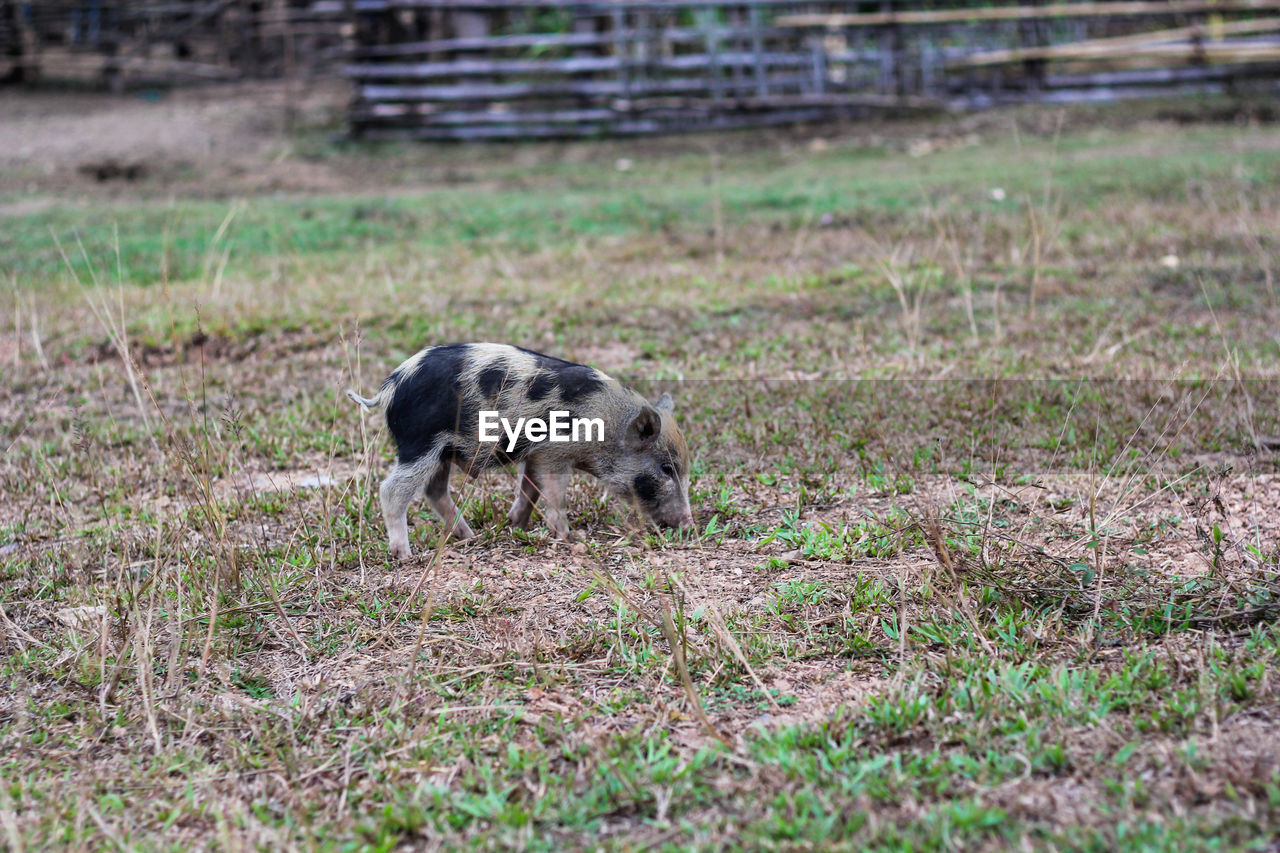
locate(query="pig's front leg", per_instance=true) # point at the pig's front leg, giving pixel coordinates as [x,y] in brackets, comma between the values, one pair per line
[527,492]
[554,485]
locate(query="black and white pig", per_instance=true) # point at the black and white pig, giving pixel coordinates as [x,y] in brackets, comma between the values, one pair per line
[438,402]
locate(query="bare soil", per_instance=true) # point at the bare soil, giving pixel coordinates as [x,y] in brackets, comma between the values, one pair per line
[285,137]
[953,615]
[209,141]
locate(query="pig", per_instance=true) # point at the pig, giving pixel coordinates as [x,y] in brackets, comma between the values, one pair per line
[439,402]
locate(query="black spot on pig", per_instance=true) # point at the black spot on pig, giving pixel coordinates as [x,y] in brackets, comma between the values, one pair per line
[646,488]
[541,386]
[577,382]
[426,402]
[491,380]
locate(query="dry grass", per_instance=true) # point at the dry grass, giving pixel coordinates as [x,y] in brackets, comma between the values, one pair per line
[1031,605]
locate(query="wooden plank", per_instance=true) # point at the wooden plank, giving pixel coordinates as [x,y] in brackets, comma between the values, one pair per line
[1106,46]
[467,67]
[681,35]
[694,61]
[638,107]
[802,99]
[1242,52]
[1099,94]
[621,127]
[1148,77]
[573,65]
[600,7]
[680,123]
[453,117]
[551,89]
[415,48]
[504,111]
[1121,8]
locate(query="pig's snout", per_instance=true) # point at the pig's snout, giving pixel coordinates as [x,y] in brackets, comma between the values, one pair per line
[679,521]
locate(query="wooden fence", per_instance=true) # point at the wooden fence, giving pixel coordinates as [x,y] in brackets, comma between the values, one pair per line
[431,69]
[476,69]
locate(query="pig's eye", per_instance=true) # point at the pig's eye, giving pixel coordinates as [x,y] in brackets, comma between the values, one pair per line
[669,470]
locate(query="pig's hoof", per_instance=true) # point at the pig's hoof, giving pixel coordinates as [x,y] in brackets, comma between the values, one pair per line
[399,552]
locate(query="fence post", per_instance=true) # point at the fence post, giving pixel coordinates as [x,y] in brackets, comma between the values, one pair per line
[818,60]
[757,49]
[890,54]
[29,44]
[1034,33]
[713,56]
[620,51]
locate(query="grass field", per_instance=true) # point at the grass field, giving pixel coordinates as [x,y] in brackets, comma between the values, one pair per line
[986,481]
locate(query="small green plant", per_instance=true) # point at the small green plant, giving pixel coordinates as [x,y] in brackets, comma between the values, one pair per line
[869,538]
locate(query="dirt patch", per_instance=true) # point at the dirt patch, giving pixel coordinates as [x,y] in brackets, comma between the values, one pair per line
[219,140]
[269,137]
[320,474]
[201,346]
[114,170]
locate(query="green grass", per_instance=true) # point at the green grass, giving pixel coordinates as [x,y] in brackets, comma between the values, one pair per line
[967,575]
[160,241]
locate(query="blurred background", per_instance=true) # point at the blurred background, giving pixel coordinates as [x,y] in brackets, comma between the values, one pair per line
[431,69]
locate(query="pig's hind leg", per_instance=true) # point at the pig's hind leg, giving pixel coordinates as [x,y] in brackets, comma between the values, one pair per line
[403,484]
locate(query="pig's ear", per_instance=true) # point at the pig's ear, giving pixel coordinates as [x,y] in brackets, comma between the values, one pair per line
[665,404]
[644,428]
